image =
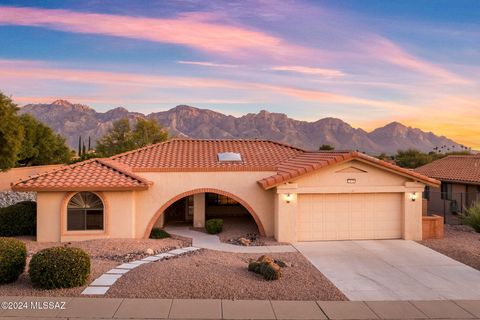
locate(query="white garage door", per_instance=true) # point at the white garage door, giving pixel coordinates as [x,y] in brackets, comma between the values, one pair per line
[349,216]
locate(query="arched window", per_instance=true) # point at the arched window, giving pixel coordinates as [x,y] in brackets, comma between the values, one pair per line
[85,212]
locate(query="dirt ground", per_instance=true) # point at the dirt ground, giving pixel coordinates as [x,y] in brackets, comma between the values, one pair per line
[219,275]
[105,254]
[461,243]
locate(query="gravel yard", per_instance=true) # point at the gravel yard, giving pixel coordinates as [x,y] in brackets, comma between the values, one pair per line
[220,275]
[105,254]
[461,243]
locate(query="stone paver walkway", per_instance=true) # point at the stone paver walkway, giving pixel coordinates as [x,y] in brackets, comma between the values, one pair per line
[102,284]
[212,242]
[105,308]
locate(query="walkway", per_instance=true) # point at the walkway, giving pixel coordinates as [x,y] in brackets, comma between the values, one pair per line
[108,308]
[102,284]
[212,242]
[391,270]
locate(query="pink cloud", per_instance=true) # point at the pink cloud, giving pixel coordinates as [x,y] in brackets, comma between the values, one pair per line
[329,73]
[193,30]
[208,64]
[36,72]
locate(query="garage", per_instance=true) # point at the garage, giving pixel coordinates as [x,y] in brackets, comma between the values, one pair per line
[349,216]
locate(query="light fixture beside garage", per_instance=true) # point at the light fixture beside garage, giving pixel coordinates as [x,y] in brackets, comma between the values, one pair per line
[288,197]
[413,196]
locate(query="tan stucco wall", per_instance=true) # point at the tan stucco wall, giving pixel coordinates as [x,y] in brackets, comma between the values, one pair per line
[167,185]
[51,217]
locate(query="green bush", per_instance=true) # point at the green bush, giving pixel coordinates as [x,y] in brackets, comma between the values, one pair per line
[159,234]
[19,219]
[59,267]
[13,257]
[471,216]
[214,226]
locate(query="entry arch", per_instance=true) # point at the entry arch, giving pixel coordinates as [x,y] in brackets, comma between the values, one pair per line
[167,204]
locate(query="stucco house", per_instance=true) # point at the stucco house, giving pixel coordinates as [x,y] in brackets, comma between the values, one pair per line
[293,195]
[460,183]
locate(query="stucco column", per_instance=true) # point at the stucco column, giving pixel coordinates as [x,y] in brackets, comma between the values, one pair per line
[286,213]
[412,212]
[199,210]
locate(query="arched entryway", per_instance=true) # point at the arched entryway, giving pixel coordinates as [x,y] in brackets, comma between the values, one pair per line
[212,202]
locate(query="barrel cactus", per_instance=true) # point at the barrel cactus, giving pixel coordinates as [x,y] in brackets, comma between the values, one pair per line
[270,271]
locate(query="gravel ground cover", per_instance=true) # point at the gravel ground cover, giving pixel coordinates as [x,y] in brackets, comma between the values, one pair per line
[242,227]
[461,243]
[220,275]
[105,254]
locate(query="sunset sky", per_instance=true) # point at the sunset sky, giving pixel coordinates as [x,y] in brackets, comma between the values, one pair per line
[366,62]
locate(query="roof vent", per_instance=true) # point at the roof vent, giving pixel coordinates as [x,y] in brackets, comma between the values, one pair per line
[229,156]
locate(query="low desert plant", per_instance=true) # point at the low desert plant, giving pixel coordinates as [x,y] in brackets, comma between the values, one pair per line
[13,257]
[214,226]
[19,219]
[471,216]
[59,267]
[158,233]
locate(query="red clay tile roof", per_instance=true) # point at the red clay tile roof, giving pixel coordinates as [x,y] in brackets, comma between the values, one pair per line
[94,175]
[310,161]
[455,168]
[202,155]
[117,172]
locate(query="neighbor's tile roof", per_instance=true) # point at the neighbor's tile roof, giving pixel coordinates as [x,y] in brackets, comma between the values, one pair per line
[455,168]
[202,155]
[94,175]
[308,162]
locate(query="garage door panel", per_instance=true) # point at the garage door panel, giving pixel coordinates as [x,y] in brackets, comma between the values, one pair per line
[349,216]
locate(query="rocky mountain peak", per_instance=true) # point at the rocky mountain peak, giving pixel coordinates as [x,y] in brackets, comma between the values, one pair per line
[62,103]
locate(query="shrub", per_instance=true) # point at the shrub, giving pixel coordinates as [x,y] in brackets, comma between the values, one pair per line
[471,216]
[59,267]
[159,234]
[214,226]
[19,219]
[13,257]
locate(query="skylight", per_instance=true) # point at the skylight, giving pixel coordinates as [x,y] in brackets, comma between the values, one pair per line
[229,156]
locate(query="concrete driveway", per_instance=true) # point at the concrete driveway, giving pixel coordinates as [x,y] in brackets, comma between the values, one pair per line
[391,270]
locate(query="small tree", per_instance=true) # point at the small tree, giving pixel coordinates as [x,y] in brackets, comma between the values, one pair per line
[41,146]
[326,147]
[412,158]
[11,133]
[121,138]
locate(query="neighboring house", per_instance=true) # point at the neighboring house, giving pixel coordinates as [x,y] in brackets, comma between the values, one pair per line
[460,183]
[292,194]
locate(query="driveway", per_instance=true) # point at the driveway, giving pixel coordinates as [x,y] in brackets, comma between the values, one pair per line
[391,270]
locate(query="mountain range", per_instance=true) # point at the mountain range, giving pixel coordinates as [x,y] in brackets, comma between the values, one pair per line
[74,120]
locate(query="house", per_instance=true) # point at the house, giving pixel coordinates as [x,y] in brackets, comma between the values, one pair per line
[460,183]
[293,195]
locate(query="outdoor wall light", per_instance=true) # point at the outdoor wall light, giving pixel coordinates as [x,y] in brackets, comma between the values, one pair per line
[288,197]
[413,196]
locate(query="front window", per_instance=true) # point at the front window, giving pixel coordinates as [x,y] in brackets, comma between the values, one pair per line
[446,191]
[85,212]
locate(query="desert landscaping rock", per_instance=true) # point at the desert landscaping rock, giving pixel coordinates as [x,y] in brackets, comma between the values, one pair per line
[209,274]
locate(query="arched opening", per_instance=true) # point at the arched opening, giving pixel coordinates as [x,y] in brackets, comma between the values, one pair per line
[194,207]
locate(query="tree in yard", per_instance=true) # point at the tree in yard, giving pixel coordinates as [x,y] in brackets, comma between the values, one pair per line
[11,133]
[121,138]
[412,158]
[326,147]
[147,132]
[41,146]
